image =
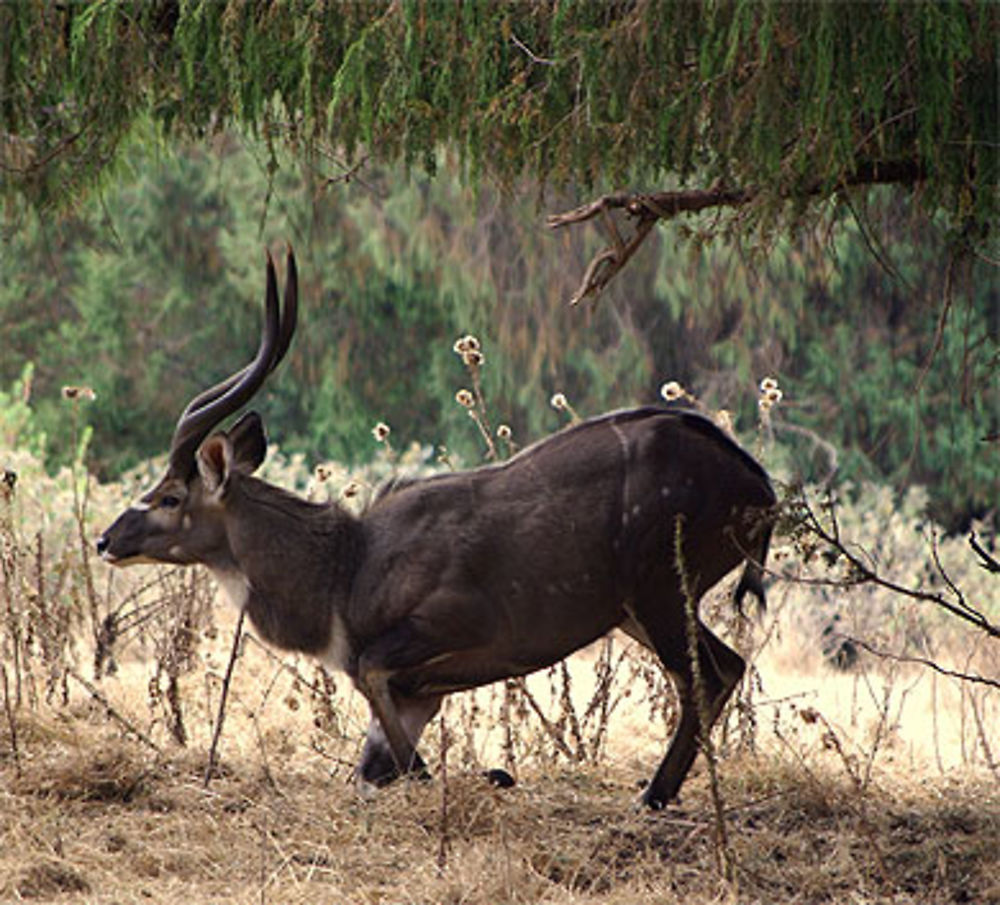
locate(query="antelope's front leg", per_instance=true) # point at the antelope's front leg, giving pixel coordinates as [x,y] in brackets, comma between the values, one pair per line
[378,764]
[373,683]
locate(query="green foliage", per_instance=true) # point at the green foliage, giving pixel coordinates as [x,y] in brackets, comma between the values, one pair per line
[18,428]
[155,292]
[788,98]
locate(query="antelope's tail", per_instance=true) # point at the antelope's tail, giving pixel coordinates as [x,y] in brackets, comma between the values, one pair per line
[752,579]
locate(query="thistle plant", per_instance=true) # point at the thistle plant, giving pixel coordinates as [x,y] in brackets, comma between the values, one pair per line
[770,395]
[381,432]
[469,349]
[561,404]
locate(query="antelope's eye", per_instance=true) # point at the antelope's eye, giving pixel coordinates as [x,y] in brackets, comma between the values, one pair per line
[170,501]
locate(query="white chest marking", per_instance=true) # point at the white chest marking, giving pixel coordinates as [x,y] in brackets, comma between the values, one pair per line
[337,654]
[234,585]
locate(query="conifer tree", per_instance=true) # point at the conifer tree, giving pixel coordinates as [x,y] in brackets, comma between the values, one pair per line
[763,108]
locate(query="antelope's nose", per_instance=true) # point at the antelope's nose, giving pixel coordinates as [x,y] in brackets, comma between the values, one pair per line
[102,544]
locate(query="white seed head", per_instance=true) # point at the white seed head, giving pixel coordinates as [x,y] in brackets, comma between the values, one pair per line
[767,384]
[465,398]
[381,432]
[504,432]
[558,402]
[73,392]
[464,344]
[671,391]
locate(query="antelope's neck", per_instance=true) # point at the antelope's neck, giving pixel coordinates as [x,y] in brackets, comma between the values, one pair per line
[290,566]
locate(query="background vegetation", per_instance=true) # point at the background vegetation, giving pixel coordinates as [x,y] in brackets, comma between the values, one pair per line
[153,289]
[785,100]
[847,153]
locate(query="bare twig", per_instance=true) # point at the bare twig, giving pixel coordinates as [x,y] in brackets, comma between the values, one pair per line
[922,661]
[989,562]
[864,573]
[444,836]
[529,53]
[220,717]
[983,740]
[724,853]
[11,722]
[111,712]
[550,728]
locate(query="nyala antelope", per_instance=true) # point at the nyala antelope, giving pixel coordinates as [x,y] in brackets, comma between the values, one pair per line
[458,580]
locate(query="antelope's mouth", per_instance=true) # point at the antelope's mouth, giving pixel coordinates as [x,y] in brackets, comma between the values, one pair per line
[115,557]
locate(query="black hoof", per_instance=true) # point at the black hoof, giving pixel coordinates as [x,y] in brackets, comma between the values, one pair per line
[379,769]
[499,778]
[657,802]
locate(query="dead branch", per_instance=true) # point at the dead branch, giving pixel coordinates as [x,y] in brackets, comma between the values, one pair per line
[988,561]
[975,678]
[861,572]
[126,724]
[647,209]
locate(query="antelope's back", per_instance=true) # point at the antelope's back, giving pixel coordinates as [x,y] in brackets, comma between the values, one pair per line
[600,497]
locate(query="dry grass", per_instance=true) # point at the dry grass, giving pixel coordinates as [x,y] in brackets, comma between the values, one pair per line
[877,785]
[90,814]
[92,819]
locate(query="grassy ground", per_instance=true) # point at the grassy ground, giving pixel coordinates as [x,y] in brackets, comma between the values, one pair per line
[822,807]
[875,785]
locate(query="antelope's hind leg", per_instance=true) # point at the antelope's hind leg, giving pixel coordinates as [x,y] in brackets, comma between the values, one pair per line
[663,624]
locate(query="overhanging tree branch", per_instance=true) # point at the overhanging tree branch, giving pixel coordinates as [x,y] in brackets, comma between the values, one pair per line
[647,209]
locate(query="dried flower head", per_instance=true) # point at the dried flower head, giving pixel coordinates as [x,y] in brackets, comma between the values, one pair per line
[472,358]
[322,473]
[504,432]
[351,489]
[381,432]
[467,343]
[767,384]
[465,398]
[724,418]
[85,393]
[769,398]
[559,402]
[671,391]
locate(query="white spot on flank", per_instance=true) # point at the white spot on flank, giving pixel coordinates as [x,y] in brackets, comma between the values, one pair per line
[176,550]
[187,522]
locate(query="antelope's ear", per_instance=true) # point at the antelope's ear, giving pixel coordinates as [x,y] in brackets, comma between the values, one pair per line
[214,457]
[249,443]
